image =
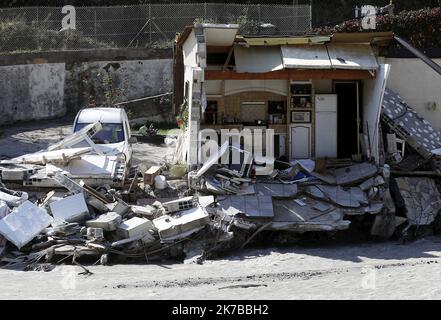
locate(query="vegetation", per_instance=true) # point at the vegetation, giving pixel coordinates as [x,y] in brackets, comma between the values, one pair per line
[324,11]
[421,27]
[18,35]
[100,87]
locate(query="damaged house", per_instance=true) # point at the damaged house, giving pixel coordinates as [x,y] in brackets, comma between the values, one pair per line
[321,95]
[326,100]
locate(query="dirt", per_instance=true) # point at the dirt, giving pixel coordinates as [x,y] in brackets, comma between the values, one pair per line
[368,271]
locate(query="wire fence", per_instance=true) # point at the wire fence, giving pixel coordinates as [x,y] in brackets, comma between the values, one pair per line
[40,28]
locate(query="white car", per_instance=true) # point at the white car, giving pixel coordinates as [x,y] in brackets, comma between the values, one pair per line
[99,151]
[115,137]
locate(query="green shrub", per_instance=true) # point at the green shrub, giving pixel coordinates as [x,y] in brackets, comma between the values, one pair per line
[18,35]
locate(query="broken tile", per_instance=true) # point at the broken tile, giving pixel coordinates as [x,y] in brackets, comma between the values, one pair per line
[329,179]
[338,195]
[251,206]
[276,190]
[24,224]
[291,216]
[323,207]
[355,174]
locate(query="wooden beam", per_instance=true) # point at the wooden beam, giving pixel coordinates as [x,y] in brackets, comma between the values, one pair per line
[291,75]
[227,62]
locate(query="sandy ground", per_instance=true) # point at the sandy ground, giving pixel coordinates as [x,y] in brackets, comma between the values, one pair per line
[369,271]
[361,271]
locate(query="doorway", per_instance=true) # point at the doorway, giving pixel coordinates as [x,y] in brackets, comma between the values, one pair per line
[348,120]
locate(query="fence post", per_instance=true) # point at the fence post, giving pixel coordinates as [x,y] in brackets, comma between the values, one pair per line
[150,23]
[38,25]
[205,11]
[95,30]
[260,17]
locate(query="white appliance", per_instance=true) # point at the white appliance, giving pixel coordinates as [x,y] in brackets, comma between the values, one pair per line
[300,141]
[326,126]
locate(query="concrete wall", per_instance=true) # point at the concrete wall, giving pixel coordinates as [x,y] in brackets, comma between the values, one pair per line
[419,85]
[31,92]
[131,80]
[50,85]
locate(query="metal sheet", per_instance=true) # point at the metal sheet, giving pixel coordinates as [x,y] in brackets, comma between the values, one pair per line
[404,121]
[352,56]
[306,57]
[258,59]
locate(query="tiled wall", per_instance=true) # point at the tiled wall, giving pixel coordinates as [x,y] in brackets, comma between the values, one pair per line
[231,105]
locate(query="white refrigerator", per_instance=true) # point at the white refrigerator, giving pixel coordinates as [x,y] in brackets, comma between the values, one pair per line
[326,126]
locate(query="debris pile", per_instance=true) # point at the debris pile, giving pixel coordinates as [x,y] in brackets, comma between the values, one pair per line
[97,223]
[163,212]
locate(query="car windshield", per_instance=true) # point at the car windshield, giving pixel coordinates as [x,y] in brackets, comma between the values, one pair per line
[111,133]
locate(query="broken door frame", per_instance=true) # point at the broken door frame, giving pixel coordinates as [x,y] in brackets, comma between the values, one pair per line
[372,106]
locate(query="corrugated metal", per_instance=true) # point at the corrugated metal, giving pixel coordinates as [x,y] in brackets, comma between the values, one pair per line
[306,57]
[258,59]
[352,56]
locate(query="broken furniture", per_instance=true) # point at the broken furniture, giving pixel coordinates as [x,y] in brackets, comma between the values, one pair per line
[151,174]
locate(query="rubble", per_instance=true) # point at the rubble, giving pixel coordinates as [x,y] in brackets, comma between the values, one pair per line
[250,206]
[108,222]
[422,200]
[182,224]
[24,223]
[134,227]
[13,198]
[157,215]
[70,209]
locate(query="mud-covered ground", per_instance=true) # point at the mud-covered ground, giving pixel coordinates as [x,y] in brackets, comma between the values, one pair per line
[367,271]
[386,270]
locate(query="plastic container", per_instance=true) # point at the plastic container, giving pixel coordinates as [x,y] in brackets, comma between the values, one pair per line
[160,183]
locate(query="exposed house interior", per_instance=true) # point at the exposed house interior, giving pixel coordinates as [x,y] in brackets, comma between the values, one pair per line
[321,95]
